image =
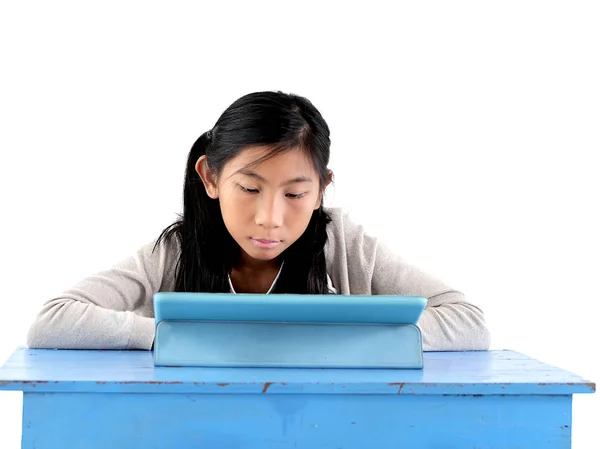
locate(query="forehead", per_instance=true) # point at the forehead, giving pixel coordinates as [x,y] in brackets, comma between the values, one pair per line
[293,162]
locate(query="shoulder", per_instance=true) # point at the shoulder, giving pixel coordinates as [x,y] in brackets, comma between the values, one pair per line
[158,259]
[161,250]
[344,230]
[347,239]
[350,253]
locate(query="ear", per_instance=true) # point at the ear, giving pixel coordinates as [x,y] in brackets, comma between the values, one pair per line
[208,177]
[327,182]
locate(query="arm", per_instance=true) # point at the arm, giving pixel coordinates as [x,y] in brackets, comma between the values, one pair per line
[112,309]
[449,322]
[360,264]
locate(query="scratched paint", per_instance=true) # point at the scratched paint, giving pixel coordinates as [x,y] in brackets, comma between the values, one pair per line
[400,386]
[487,372]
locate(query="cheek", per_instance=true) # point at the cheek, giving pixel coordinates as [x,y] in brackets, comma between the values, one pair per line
[300,213]
[235,210]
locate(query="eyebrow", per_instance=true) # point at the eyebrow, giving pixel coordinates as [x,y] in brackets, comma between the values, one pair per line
[296,180]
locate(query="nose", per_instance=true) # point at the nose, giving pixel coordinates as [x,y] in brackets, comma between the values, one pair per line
[270,212]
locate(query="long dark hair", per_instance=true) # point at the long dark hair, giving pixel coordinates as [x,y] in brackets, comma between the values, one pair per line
[208,252]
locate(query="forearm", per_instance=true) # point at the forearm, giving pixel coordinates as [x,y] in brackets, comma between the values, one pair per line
[454,327]
[69,324]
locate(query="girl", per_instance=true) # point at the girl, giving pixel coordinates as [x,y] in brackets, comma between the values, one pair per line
[253,221]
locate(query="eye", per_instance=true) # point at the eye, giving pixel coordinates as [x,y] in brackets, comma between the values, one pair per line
[295,196]
[247,190]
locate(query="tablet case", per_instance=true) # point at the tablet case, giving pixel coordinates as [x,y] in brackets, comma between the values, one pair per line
[295,331]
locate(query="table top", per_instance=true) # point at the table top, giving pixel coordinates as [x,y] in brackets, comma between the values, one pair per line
[448,373]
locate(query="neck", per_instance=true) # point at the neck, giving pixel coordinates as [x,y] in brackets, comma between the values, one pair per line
[252,276]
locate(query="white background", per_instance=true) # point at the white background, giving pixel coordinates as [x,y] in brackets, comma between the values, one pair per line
[463,133]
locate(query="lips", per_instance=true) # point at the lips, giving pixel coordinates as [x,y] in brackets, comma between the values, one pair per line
[265,243]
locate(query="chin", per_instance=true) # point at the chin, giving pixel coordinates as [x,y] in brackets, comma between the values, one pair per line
[264,255]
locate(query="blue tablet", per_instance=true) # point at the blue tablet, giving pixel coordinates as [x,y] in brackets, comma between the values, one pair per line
[378,309]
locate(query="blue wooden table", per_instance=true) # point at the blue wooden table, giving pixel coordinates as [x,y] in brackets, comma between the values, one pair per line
[118,400]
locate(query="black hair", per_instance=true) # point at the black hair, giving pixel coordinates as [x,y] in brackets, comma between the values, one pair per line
[281,122]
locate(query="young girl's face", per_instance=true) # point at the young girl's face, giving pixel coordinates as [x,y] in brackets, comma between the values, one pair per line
[265,207]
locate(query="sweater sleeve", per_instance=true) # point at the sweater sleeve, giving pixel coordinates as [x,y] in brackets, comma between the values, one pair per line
[449,322]
[361,264]
[112,309]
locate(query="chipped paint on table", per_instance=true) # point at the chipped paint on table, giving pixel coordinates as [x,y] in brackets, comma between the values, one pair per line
[480,372]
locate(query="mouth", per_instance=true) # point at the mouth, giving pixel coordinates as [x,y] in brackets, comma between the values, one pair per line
[265,243]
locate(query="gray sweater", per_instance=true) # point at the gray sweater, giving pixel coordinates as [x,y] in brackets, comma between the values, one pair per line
[113,309]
